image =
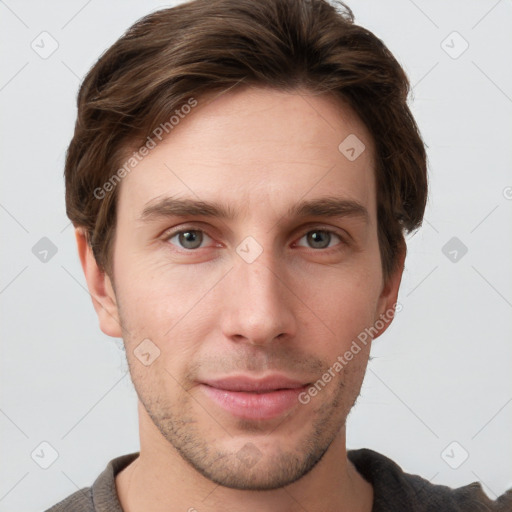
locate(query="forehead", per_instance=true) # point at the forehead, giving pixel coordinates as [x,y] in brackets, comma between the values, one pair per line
[260,151]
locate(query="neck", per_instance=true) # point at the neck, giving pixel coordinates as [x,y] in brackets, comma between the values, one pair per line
[161,480]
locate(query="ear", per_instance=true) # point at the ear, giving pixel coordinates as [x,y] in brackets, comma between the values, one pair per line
[100,288]
[388,297]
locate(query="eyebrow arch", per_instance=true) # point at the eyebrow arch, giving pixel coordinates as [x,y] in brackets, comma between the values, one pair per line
[176,207]
[328,207]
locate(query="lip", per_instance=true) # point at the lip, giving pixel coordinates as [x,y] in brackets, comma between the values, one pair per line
[254,399]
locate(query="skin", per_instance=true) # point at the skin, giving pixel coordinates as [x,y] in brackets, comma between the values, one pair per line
[293,310]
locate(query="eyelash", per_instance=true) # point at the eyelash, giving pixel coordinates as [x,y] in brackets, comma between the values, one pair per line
[171,234]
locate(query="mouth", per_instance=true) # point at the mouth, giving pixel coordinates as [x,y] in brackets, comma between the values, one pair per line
[254,399]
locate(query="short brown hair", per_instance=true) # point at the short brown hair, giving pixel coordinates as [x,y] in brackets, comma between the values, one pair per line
[205,46]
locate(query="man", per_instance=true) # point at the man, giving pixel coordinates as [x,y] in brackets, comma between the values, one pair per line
[241,177]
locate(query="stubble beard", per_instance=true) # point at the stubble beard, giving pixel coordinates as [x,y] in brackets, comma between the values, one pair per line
[249,466]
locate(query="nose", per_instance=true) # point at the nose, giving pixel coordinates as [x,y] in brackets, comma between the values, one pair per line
[257,303]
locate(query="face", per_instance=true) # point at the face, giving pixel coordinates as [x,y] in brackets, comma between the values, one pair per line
[245,262]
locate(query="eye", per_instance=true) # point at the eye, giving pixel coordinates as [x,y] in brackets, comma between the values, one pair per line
[188,238]
[320,239]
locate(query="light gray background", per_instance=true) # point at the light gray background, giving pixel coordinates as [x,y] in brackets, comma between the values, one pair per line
[441,373]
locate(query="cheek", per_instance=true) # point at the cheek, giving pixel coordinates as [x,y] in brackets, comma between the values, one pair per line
[344,299]
[165,303]
[151,286]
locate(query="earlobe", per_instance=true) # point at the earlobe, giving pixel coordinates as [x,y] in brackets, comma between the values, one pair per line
[100,287]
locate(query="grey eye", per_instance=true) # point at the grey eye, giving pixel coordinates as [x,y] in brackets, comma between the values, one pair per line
[190,239]
[320,239]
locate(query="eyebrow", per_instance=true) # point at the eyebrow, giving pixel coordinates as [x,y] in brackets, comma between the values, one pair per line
[328,207]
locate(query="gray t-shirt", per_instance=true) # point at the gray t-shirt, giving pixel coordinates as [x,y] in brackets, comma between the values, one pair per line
[393,490]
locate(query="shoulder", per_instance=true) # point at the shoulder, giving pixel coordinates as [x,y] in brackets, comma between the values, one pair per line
[79,501]
[102,495]
[397,491]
